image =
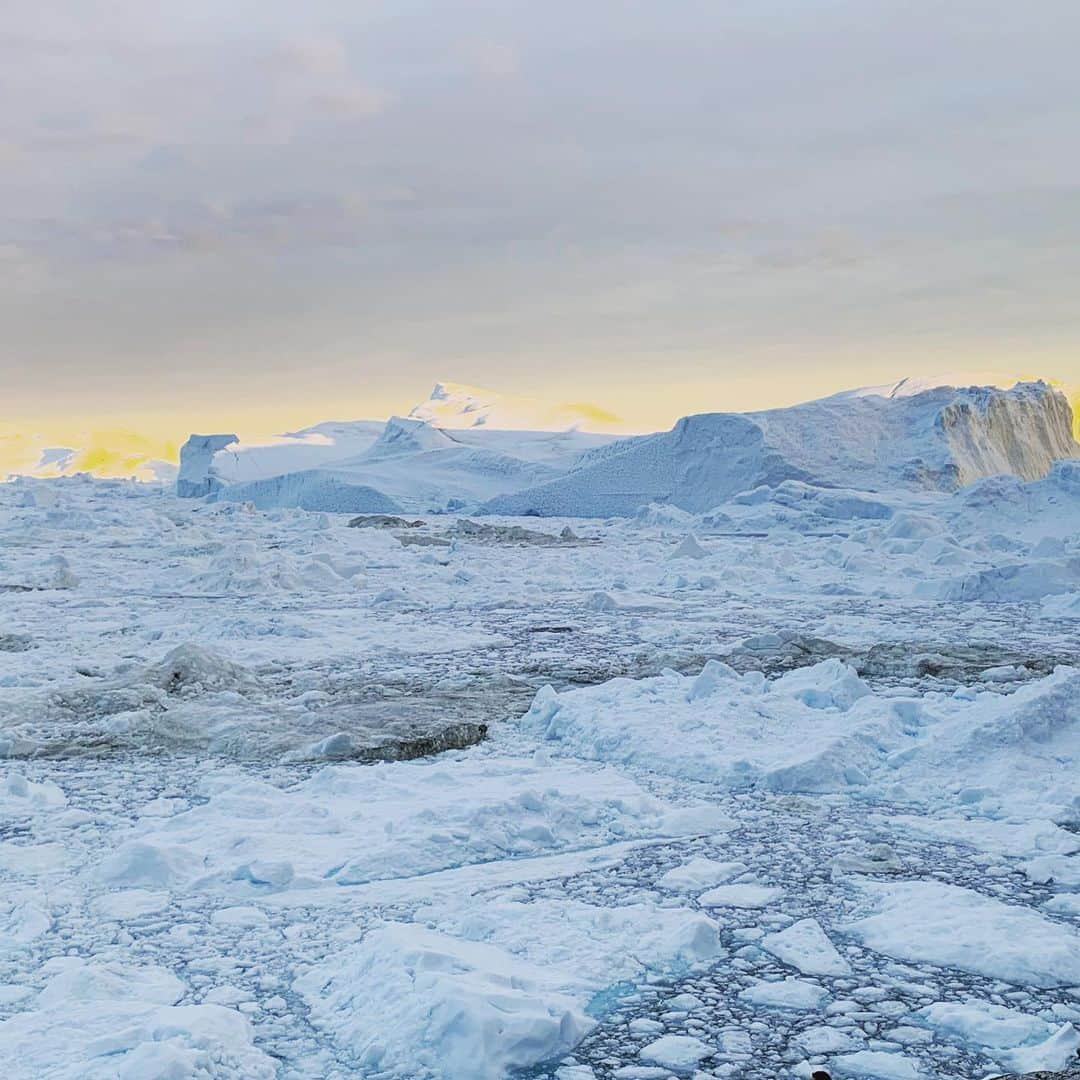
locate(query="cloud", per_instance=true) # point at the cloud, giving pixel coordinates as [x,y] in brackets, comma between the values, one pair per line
[497,59]
[284,224]
[377,191]
[322,56]
[352,101]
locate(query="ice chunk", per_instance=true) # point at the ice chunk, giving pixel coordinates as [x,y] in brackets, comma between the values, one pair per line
[74,979]
[876,1065]
[131,903]
[690,549]
[713,675]
[240,917]
[599,946]
[740,896]
[832,684]
[1019,581]
[789,993]
[935,923]
[1062,606]
[19,796]
[700,873]
[348,826]
[980,1022]
[484,987]
[111,1021]
[189,668]
[804,945]
[823,1039]
[411,1001]
[1059,1050]
[140,863]
[814,729]
[21,923]
[197,476]
[679,1053]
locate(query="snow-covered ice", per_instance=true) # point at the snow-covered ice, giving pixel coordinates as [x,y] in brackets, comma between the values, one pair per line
[958,927]
[103,1020]
[789,993]
[508,985]
[805,946]
[740,896]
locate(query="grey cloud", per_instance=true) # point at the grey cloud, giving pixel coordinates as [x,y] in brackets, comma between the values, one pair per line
[457,182]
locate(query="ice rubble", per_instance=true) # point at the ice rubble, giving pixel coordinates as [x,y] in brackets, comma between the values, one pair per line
[822,729]
[243,568]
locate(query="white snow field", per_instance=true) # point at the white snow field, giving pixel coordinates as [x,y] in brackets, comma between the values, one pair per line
[774,770]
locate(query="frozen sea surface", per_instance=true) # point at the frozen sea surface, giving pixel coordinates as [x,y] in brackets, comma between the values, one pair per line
[780,798]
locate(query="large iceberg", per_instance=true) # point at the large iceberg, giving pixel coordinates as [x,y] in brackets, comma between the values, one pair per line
[431,460]
[447,454]
[938,439]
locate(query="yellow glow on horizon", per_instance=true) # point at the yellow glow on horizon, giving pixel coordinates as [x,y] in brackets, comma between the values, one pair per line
[109,452]
[123,453]
[592,413]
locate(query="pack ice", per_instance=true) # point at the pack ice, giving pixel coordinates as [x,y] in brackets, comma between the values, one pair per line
[749,750]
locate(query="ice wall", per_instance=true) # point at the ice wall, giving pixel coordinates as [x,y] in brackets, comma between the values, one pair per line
[1022,431]
[197,476]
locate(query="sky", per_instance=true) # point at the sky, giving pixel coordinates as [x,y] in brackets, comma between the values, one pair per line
[252,215]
